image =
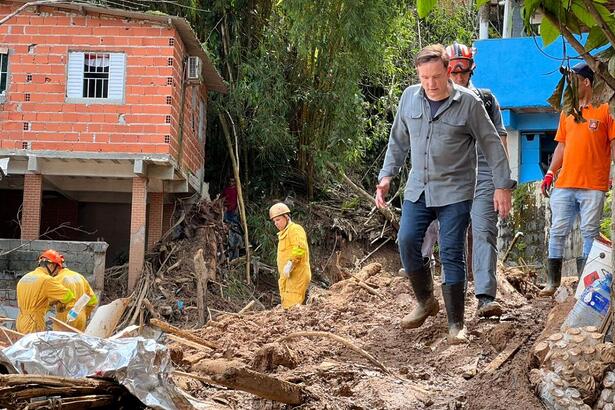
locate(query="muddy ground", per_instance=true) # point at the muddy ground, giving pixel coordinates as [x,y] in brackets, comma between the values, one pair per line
[424,371]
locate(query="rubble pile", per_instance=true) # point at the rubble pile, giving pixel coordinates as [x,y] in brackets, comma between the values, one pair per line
[167,288]
[345,349]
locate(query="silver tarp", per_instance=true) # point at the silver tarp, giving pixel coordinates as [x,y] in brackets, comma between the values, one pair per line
[141,365]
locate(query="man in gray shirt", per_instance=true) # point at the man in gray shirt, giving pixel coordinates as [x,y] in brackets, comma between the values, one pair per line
[440,124]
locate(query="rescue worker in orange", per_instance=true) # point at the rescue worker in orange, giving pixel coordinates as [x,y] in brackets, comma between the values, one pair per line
[293,257]
[37,290]
[79,286]
[580,168]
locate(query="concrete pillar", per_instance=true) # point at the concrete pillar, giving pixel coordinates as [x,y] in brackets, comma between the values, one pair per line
[136,255]
[154,218]
[31,207]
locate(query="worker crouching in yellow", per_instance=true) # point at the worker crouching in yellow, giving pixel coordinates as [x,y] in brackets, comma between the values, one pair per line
[79,286]
[37,289]
[293,257]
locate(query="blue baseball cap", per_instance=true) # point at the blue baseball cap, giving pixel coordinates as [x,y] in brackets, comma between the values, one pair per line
[583,70]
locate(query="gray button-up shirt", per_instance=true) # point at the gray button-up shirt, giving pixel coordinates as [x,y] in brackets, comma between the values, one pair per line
[443,148]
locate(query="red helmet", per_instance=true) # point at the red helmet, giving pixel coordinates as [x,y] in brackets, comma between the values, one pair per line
[461,58]
[52,256]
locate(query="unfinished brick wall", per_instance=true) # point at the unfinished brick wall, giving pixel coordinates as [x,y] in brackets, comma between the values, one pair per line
[31,209]
[154,218]
[138,217]
[36,114]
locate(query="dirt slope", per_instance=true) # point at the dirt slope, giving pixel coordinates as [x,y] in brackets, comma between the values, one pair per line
[425,372]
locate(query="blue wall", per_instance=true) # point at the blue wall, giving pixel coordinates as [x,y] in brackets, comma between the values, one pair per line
[518,70]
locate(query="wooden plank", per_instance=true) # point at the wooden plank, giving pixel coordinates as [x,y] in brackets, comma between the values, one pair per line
[65,326]
[508,352]
[186,342]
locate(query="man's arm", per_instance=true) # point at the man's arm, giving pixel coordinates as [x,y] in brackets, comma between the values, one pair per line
[613,150]
[558,157]
[397,151]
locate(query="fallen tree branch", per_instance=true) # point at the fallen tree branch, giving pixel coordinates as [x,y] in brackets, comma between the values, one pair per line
[236,375]
[168,328]
[386,212]
[246,307]
[339,339]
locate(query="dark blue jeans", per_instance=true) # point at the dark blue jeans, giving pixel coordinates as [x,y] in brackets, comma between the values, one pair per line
[454,220]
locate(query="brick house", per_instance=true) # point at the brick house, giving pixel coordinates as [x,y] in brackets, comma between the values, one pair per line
[102,120]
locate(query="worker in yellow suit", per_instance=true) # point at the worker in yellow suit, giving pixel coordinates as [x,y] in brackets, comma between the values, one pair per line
[293,257]
[37,289]
[79,286]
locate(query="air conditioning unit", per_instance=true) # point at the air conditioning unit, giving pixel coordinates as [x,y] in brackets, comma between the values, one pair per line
[195,68]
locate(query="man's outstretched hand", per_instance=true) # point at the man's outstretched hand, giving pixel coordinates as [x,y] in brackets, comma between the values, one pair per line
[382,189]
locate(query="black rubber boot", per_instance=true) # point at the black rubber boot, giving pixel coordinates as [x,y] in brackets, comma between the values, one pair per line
[427,305]
[454,300]
[554,277]
[580,265]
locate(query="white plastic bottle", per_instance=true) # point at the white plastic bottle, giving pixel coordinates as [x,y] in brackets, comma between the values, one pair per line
[592,306]
[79,305]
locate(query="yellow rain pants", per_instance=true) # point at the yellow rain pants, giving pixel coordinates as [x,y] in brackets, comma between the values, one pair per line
[79,286]
[35,291]
[293,246]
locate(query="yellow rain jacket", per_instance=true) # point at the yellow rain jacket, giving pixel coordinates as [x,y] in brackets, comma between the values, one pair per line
[79,286]
[293,246]
[35,291]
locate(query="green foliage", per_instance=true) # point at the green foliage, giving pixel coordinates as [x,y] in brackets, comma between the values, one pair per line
[605,223]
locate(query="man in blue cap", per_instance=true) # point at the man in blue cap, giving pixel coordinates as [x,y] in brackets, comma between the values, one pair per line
[580,167]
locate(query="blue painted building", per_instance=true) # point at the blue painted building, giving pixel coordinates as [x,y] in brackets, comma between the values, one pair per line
[522,75]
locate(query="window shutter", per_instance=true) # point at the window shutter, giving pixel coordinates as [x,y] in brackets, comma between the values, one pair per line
[74,83]
[117,73]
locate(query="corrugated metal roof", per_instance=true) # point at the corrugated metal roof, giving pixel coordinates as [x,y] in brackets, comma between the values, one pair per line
[213,80]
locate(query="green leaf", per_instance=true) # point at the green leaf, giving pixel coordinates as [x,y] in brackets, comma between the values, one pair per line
[581,13]
[596,39]
[424,7]
[548,32]
[529,7]
[479,3]
[556,98]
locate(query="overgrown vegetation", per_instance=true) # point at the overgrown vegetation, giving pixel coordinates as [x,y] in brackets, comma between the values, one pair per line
[309,82]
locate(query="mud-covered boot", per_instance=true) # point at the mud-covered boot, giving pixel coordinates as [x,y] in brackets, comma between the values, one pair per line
[554,277]
[454,296]
[488,307]
[427,305]
[580,265]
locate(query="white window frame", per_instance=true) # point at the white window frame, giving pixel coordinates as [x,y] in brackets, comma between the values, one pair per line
[4,54]
[75,74]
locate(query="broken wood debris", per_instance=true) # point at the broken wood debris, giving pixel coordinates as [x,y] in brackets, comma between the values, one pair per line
[339,339]
[236,375]
[16,391]
[168,328]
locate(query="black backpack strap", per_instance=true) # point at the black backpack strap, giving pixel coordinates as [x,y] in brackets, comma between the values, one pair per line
[486,96]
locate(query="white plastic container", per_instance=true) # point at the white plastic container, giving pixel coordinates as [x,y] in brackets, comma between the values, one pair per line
[79,305]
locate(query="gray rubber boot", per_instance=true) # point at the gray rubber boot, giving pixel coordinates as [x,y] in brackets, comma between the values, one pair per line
[554,277]
[427,305]
[580,265]
[454,300]
[488,307]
